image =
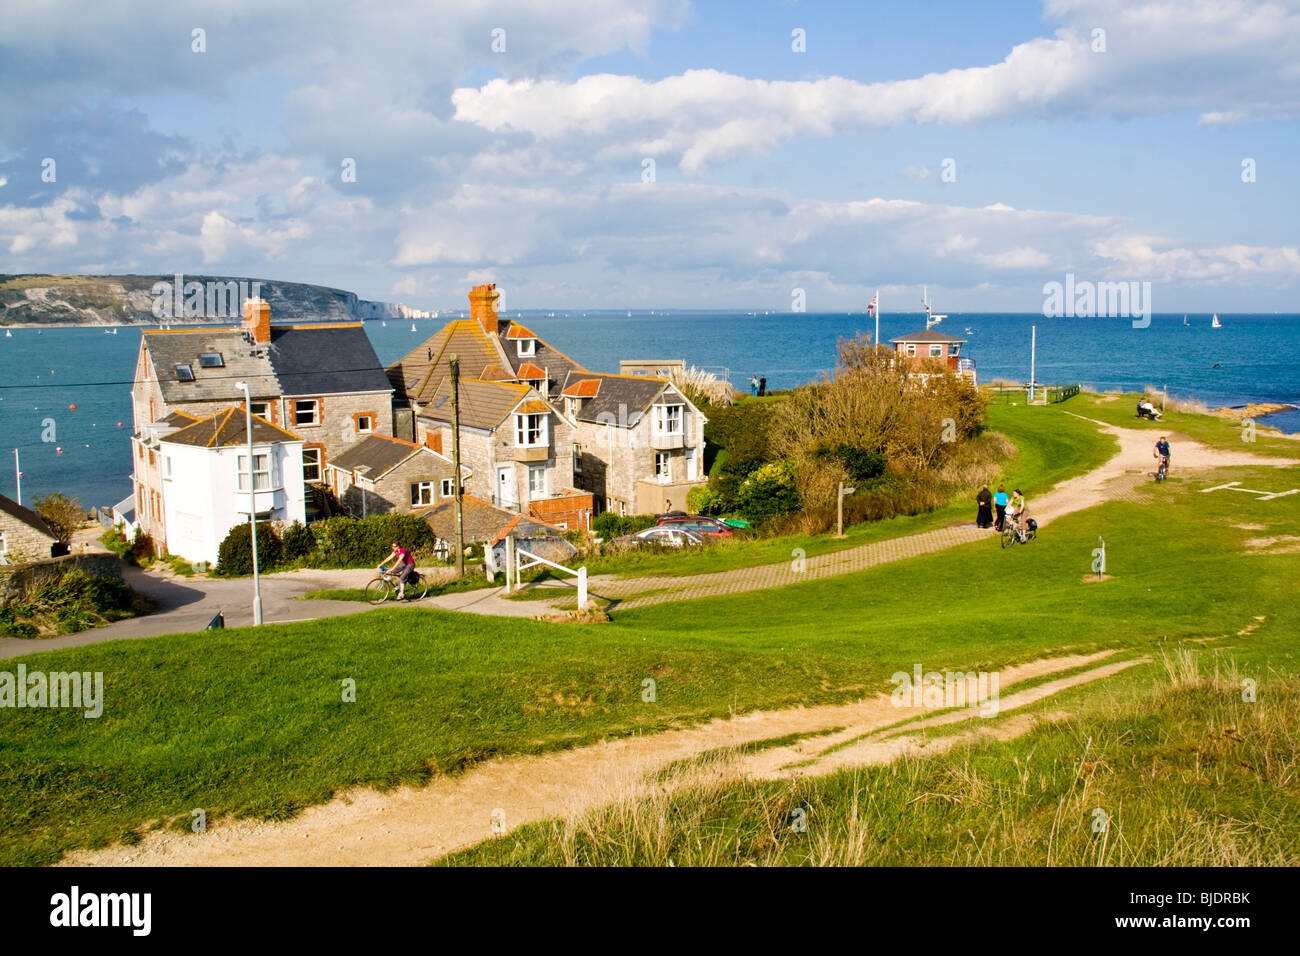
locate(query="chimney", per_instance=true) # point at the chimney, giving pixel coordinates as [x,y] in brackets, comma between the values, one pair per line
[483,306]
[257,320]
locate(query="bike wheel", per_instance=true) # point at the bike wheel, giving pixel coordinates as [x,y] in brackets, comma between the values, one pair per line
[418,589]
[1008,538]
[377,591]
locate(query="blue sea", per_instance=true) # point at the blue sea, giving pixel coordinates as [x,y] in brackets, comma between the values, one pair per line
[83,451]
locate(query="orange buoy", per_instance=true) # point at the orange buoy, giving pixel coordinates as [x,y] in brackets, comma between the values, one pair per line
[72,408]
[58,450]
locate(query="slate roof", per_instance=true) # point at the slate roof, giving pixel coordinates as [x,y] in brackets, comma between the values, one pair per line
[633,394]
[482,404]
[326,359]
[483,521]
[26,516]
[179,419]
[419,374]
[226,428]
[376,455]
[926,336]
[242,363]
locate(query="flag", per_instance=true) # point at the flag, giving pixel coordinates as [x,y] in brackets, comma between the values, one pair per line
[871,306]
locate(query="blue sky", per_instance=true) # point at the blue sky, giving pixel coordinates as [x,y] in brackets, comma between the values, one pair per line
[774,169]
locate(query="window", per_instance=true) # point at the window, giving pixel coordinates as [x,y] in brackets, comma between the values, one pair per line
[184,373]
[663,466]
[259,408]
[445,489]
[530,430]
[261,471]
[421,493]
[527,346]
[4,545]
[536,481]
[304,411]
[311,464]
[364,424]
[167,465]
[211,360]
[577,459]
[911,350]
[668,419]
[936,351]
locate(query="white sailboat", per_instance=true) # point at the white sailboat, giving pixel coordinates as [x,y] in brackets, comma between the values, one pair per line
[8,334]
[1215,323]
[1185,318]
[412,329]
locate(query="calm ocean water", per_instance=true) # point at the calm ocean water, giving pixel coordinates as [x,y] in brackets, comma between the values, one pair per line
[1252,358]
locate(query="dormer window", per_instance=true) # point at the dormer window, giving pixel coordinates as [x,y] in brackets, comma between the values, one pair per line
[184,373]
[526,347]
[668,419]
[211,360]
[531,430]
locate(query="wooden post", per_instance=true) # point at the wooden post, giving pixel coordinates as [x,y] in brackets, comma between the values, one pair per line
[839,508]
[582,588]
[511,561]
[455,467]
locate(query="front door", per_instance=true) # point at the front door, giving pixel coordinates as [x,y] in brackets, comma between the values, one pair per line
[506,486]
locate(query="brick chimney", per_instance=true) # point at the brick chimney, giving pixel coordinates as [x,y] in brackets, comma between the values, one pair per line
[483,306]
[257,320]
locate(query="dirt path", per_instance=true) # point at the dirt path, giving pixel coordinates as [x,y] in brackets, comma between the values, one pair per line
[409,826]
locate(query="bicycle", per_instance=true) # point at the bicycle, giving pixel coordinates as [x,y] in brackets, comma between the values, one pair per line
[384,587]
[1162,470]
[1014,535]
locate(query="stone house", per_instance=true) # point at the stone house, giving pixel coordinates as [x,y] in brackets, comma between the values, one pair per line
[638,444]
[382,474]
[323,382]
[24,535]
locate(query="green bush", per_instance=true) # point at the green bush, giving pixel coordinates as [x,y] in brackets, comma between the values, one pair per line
[704,500]
[74,601]
[769,492]
[744,430]
[861,464]
[363,542]
[235,556]
[609,525]
[297,541]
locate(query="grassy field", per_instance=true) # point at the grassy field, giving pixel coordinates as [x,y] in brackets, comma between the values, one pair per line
[255,723]
[1208,429]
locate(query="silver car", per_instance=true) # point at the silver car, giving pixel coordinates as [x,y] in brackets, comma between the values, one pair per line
[661,537]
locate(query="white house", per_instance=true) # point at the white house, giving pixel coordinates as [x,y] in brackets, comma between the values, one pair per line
[204,471]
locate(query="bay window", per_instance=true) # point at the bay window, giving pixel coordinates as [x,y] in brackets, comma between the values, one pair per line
[263,471]
[531,430]
[668,419]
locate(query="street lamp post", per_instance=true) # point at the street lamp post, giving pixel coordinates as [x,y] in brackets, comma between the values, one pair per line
[252,500]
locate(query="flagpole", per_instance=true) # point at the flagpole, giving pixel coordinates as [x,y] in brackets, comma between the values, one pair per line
[876,300]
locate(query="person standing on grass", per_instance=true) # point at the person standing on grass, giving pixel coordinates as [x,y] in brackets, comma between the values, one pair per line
[753,385]
[1000,502]
[762,386]
[984,517]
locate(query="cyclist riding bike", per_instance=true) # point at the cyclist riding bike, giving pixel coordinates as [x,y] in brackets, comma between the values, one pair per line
[403,568]
[1162,454]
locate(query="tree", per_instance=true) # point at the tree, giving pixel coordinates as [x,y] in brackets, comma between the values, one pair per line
[64,515]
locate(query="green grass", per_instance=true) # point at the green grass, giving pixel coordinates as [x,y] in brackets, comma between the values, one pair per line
[254,723]
[1173,768]
[1208,429]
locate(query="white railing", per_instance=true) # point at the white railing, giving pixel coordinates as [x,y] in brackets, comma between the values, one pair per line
[515,568]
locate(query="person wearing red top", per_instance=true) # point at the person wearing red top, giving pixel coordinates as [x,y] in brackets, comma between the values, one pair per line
[403,565]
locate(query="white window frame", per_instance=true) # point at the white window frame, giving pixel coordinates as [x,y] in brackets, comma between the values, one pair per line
[167,466]
[264,406]
[370,424]
[665,419]
[4,542]
[525,347]
[265,478]
[665,474]
[315,411]
[536,481]
[524,430]
[577,458]
[312,464]
[911,349]
[936,350]
[421,494]
[446,489]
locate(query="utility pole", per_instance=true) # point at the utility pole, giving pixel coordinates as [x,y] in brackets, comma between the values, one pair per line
[252,500]
[455,466]
[18,476]
[839,509]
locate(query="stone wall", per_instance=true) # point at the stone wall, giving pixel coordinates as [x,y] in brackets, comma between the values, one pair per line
[336,427]
[393,491]
[15,580]
[22,541]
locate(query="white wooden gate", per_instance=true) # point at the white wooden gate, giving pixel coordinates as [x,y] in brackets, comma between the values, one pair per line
[518,560]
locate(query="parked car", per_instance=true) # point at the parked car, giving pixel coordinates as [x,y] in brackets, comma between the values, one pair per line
[710,527]
[661,536]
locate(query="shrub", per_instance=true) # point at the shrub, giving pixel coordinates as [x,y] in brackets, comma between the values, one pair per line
[860,464]
[235,556]
[363,542]
[297,541]
[64,515]
[744,430]
[769,492]
[704,500]
[609,525]
[73,601]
